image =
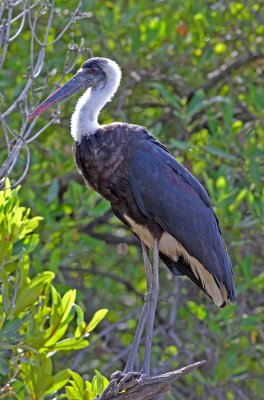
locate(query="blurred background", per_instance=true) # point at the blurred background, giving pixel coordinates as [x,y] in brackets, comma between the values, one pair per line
[193,75]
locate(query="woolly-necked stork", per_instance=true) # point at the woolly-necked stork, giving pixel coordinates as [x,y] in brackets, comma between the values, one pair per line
[163,204]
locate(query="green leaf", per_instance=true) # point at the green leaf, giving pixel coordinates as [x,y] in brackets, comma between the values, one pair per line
[4,367]
[196,102]
[198,310]
[99,383]
[220,153]
[102,382]
[56,309]
[43,384]
[168,97]
[10,327]
[28,295]
[55,260]
[89,394]
[53,335]
[67,303]
[72,393]
[98,316]
[20,389]
[27,244]
[101,208]
[71,344]
[59,380]
[80,330]
[78,382]
[179,144]
[53,190]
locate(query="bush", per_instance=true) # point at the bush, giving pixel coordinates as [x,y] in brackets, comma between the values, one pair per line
[36,322]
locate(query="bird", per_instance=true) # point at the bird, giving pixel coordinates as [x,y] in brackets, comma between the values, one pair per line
[163,204]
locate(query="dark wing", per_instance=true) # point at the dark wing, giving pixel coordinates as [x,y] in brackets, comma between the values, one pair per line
[166,192]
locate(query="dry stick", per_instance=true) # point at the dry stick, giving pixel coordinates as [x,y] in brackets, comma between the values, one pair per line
[149,387]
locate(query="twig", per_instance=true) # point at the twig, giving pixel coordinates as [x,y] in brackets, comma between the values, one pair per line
[21,24]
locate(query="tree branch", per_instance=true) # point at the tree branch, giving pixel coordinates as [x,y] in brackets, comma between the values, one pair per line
[225,69]
[149,387]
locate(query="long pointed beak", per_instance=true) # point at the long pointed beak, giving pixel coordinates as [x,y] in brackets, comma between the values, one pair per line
[77,83]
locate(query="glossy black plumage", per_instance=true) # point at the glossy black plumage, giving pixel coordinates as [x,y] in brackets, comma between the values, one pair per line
[141,179]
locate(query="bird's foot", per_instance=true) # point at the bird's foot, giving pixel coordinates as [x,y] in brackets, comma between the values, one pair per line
[120,378]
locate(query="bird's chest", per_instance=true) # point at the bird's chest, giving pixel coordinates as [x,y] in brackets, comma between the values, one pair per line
[103,166]
[105,162]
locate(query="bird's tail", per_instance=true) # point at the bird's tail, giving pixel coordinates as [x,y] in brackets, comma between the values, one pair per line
[219,292]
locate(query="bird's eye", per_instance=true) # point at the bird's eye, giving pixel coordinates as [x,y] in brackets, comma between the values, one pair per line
[93,70]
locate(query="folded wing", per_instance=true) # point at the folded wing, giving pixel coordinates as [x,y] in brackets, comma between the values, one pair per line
[167,193]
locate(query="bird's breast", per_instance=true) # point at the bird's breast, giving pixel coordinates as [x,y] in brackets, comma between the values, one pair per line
[102,160]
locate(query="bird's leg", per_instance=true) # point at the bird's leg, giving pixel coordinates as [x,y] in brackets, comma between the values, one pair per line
[119,378]
[153,298]
[142,319]
[146,320]
[147,314]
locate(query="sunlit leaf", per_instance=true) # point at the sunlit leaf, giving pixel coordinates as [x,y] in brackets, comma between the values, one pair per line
[71,344]
[98,316]
[59,380]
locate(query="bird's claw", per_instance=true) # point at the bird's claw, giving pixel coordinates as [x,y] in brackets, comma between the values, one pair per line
[119,378]
[120,375]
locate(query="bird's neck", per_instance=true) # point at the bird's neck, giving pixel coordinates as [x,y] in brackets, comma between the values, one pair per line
[85,117]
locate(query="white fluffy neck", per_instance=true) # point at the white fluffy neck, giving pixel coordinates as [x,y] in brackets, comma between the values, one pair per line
[84,120]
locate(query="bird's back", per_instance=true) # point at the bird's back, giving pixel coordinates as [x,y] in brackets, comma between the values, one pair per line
[157,197]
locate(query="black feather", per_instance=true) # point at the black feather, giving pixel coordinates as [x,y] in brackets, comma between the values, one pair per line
[166,192]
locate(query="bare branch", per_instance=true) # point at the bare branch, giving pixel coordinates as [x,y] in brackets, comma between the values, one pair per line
[30,7]
[32,11]
[147,388]
[7,26]
[40,131]
[74,14]
[21,24]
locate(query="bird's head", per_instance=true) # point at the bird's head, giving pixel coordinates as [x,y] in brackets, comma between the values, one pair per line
[94,73]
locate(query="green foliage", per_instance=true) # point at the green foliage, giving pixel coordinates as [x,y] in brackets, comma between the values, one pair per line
[36,322]
[85,390]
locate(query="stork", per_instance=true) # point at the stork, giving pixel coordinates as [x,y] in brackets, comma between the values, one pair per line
[149,191]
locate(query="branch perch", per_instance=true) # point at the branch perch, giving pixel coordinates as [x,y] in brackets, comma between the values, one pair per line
[150,387]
